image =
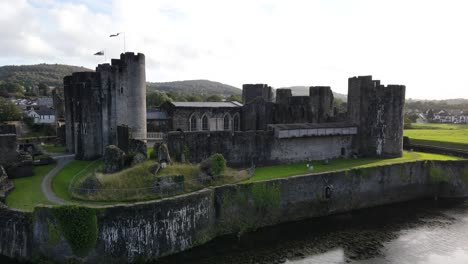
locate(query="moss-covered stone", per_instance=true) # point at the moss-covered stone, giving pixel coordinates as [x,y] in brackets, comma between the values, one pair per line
[437,174]
[79,227]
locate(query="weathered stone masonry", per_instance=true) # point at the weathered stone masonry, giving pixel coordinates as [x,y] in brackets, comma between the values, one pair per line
[149,230]
[313,132]
[96,103]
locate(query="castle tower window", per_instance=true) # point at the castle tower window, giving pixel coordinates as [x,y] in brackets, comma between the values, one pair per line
[193,123]
[236,123]
[227,122]
[121,90]
[205,123]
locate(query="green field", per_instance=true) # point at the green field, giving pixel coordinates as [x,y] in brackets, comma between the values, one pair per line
[65,175]
[442,135]
[27,192]
[280,171]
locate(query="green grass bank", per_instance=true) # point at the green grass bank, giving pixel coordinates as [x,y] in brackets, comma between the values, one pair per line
[27,193]
[280,171]
[439,135]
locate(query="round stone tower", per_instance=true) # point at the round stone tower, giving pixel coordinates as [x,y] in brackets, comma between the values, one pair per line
[135,75]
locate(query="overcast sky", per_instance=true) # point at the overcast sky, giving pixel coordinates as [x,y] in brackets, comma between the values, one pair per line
[422,44]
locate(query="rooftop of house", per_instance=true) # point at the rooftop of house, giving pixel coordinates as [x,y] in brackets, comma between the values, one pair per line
[43,111]
[207,104]
[310,125]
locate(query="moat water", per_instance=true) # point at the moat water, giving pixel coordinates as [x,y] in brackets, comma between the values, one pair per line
[429,232]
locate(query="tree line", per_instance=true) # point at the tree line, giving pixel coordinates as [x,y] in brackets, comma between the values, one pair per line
[156,98]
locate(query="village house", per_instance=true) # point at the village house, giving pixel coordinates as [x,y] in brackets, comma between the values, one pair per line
[42,115]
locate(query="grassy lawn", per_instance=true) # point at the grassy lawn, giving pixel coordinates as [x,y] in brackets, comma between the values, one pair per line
[65,175]
[442,135]
[51,148]
[27,192]
[280,171]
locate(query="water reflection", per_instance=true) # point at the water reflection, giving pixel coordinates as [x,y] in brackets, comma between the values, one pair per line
[415,232]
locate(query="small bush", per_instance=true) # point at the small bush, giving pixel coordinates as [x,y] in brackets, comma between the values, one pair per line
[218,163]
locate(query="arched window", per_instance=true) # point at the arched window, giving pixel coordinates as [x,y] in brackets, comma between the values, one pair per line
[227,122]
[193,123]
[204,123]
[236,125]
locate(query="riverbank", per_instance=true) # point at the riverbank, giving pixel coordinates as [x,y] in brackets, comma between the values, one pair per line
[384,234]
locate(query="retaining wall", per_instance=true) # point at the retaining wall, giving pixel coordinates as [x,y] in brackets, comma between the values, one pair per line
[153,229]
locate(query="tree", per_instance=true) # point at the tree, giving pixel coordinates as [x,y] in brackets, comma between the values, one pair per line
[214,98]
[10,87]
[43,89]
[156,98]
[194,98]
[234,97]
[8,111]
[430,114]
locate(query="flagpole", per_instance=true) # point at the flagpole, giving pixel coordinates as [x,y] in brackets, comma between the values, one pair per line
[124,40]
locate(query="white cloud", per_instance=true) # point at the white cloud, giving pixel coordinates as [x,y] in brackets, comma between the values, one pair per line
[418,43]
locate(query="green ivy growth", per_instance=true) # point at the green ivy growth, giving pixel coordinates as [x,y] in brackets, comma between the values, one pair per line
[186,152]
[79,227]
[266,198]
[464,176]
[54,233]
[437,175]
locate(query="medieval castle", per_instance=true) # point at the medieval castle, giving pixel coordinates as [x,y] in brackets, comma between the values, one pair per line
[97,103]
[265,129]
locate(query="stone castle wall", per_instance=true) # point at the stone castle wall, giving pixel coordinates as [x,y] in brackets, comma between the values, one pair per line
[377,110]
[256,147]
[8,144]
[149,230]
[97,102]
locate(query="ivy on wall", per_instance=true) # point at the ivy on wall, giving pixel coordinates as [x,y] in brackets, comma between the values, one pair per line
[79,227]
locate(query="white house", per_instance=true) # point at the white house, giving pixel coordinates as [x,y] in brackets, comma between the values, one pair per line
[444,117]
[42,115]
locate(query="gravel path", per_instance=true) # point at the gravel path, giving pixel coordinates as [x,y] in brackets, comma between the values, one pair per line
[46,185]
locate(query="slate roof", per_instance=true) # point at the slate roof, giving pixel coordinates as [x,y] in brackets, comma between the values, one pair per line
[310,125]
[156,114]
[207,104]
[43,111]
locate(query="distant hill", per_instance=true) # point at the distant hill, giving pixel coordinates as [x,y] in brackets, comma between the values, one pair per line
[197,87]
[304,90]
[457,101]
[32,75]
[52,75]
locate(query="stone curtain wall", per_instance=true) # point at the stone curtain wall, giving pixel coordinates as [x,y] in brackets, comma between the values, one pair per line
[148,230]
[257,147]
[16,232]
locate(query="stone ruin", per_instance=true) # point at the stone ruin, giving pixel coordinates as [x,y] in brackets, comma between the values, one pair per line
[96,103]
[292,129]
[16,164]
[6,186]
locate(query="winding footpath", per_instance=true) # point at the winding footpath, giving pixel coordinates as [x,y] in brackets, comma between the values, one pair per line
[46,184]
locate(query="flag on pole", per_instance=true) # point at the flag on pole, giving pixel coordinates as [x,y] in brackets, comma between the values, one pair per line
[99,53]
[114,35]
